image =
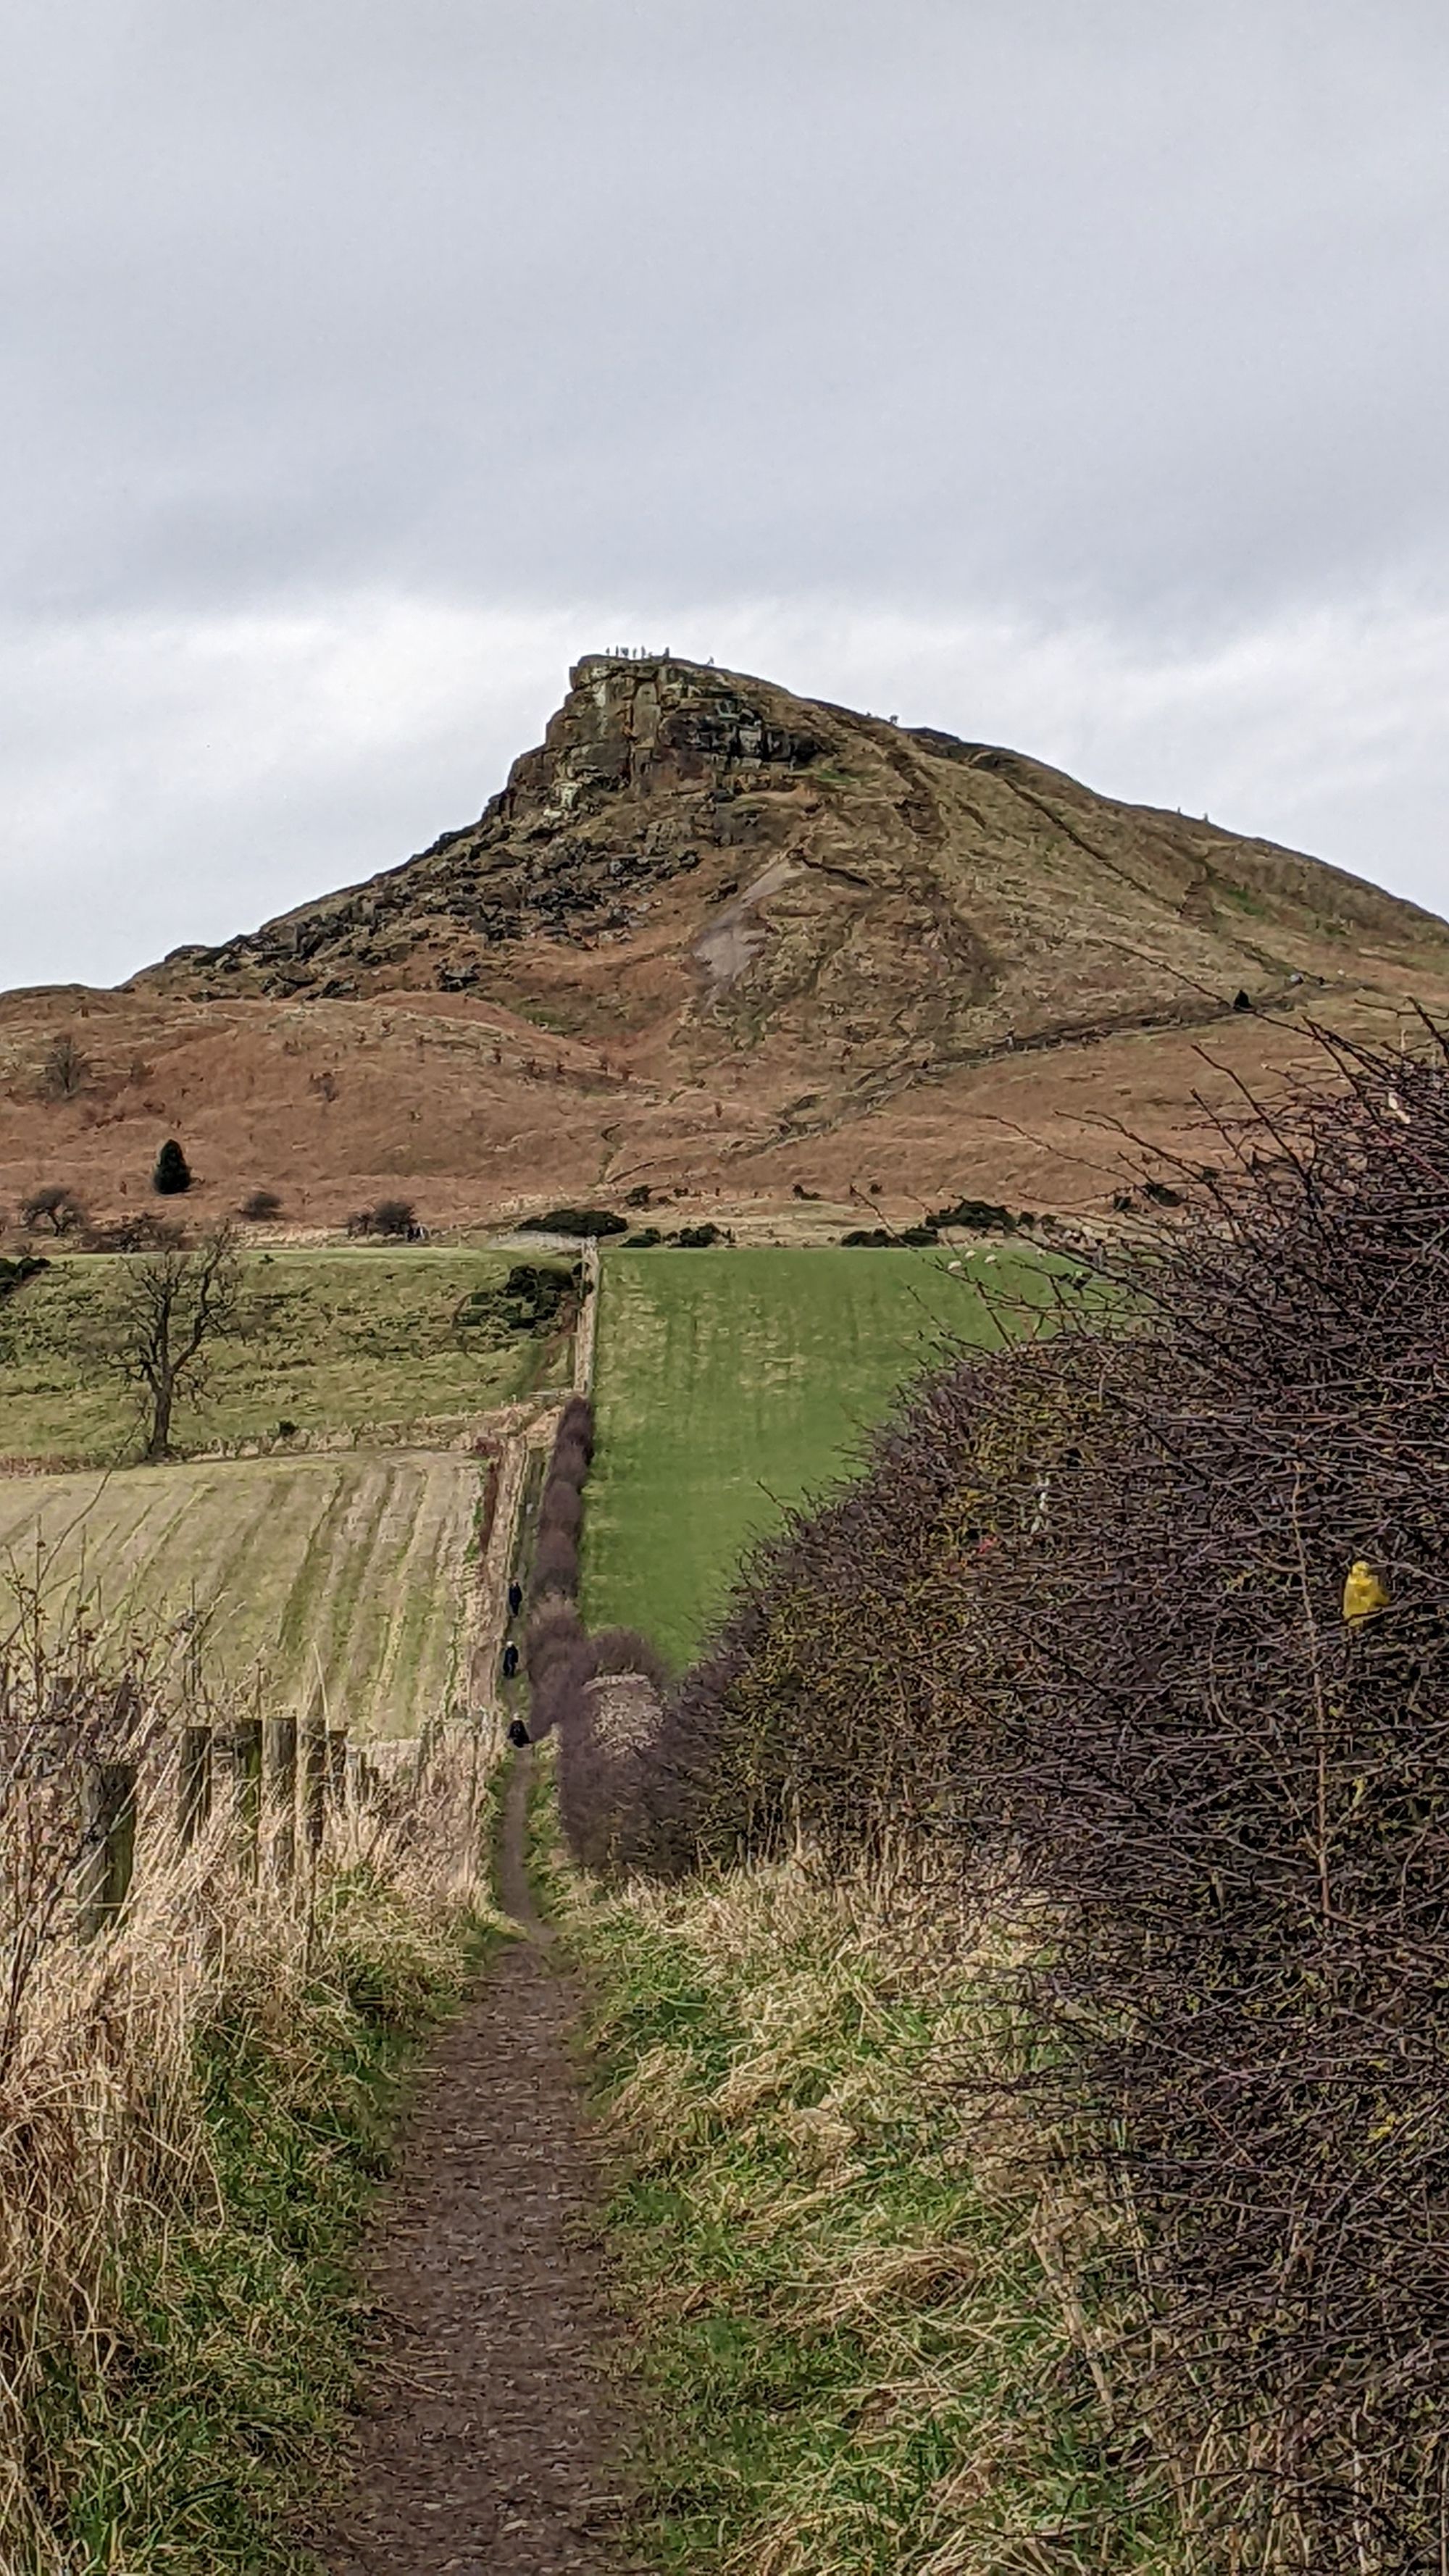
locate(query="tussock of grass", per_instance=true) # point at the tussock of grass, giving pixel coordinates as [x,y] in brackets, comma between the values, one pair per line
[873,2311]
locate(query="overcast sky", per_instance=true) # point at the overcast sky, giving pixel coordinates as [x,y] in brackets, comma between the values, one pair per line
[1069,373]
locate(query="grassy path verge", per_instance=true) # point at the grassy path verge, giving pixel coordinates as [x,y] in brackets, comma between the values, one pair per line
[862,2304]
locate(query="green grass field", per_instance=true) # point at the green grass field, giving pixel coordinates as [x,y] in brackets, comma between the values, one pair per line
[354,1568]
[732,1384]
[338,1340]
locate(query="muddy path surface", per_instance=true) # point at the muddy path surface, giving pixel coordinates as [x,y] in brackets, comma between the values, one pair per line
[491,2441]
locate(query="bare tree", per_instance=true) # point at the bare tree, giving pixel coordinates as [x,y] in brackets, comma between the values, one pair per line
[66,1069]
[396,1218]
[55,1205]
[167,1312]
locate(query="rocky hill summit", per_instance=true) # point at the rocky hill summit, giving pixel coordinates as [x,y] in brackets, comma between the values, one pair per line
[733,945]
[694,846]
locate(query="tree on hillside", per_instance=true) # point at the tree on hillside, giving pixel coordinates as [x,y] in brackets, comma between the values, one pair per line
[66,1069]
[55,1205]
[164,1318]
[394,1218]
[172,1172]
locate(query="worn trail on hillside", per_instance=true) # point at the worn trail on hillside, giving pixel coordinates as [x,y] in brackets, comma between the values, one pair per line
[490,2443]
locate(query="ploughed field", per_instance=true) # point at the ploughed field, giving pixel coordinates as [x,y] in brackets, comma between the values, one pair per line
[355,1571]
[339,1341]
[731,1384]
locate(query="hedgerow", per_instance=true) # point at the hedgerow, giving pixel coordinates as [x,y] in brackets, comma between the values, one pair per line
[1083,1626]
[558,1659]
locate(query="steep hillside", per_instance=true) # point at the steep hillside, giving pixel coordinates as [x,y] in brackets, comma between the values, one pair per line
[722,938]
[699,850]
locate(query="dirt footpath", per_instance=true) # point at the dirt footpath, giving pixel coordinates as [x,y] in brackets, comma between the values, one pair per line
[490,2443]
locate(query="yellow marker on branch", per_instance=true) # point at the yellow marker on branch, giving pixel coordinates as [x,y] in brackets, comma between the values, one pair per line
[1363,1594]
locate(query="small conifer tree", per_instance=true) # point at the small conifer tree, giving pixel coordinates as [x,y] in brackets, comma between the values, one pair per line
[172,1173]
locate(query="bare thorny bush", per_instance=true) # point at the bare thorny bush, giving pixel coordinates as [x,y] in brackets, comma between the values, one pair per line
[103,2143]
[600,1693]
[558,1659]
[1083,1622]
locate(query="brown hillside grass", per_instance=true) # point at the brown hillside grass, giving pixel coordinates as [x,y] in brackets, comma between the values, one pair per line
[422,1109]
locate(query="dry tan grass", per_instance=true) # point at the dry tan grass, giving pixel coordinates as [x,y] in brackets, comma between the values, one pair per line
[860,2155]
[103,2140]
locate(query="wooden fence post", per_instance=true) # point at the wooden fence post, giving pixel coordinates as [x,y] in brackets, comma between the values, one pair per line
[279,1764]
[193,1783]
[108,1824]
[314,1784]
[244,1747]
[336,1766]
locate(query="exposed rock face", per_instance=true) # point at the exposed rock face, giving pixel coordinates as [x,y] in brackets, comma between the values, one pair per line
[642,767]
[772,920]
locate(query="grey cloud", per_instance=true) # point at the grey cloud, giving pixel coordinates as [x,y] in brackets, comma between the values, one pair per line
[1120,306]
[521,321]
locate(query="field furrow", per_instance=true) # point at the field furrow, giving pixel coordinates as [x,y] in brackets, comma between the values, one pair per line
[351,1570]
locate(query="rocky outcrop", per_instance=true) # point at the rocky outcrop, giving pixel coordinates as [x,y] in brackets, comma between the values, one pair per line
[644,766]
[697,858]
[734,947]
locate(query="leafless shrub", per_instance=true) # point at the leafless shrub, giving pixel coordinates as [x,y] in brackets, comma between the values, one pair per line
[556,1678]
[628,1650]
[561,1507]
[555,1566]
[394,1220]
[143,1232]
[558,1657]
[576,1426]
[66,1069]
[553,1616]
[569,1463]
[608,1721]
[55,1205]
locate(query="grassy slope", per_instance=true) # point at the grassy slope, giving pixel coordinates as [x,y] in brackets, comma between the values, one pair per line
[730,1385]
[353,1565]
[339,1340]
